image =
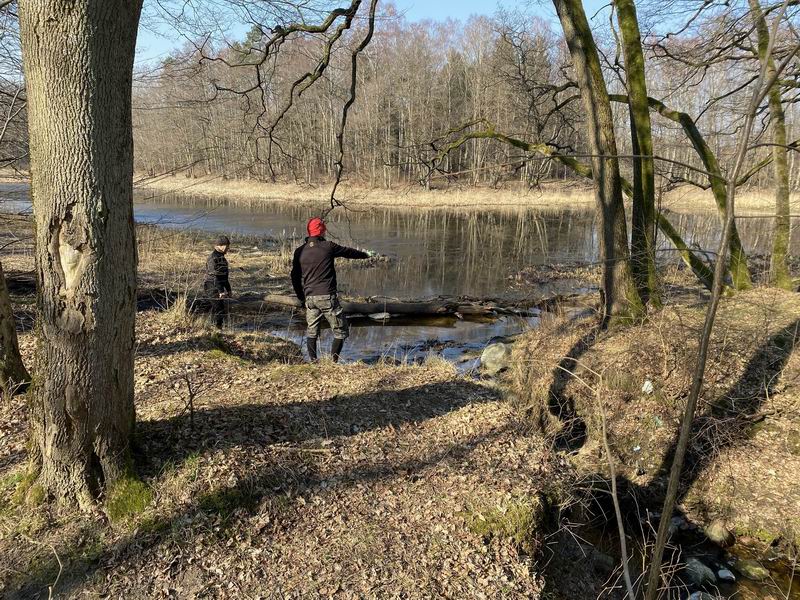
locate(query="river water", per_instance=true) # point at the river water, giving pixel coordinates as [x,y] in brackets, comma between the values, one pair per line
[448,252]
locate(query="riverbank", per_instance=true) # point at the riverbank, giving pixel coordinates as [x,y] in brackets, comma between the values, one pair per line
[742,478]
[260,472]
[575,194]
[556,194]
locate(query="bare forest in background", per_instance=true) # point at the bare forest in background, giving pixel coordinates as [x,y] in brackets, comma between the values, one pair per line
[210,111]
[217,109]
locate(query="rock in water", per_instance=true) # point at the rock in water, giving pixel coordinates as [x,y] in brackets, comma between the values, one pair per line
[718,532]
[702,596]
[495,358]
[603,563]
[726,575]
[698,573]
[752,569]
[676,523]
[382,316]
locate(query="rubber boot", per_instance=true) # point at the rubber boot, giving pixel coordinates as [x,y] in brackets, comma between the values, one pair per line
[336,349]
[311,346]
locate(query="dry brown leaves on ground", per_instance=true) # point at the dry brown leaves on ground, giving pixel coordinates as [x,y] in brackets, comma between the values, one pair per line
[295,481]
[742,464]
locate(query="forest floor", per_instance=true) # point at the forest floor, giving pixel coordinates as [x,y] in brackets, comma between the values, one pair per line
[260,476]
[290,481]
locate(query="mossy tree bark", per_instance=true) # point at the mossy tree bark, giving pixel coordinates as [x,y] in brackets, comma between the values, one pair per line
[779,268]
[12,370]
[78,60]
[643,222]
[740,273]
[621,298]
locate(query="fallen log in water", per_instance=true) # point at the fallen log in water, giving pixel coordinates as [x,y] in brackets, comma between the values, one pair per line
[430,308]
[383,309]
[436,307]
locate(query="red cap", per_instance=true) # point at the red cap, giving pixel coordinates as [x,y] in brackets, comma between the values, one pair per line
[316,227]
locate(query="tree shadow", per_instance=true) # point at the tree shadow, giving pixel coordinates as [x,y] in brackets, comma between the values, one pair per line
[732,415]
[12,460]
[294,427]
[727,424]
[266,424]
[572,435]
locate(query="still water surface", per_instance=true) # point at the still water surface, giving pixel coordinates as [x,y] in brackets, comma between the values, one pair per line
[444,252]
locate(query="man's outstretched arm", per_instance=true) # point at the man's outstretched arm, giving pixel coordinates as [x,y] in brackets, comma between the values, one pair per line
[345,252]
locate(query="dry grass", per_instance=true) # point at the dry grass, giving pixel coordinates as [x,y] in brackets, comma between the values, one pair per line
[556,194]
[743,466]
[175,260]
[244,191]
[689,199]
[172,260]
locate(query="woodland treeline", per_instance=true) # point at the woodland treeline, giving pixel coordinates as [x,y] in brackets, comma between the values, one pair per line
[210,108]
[204,108]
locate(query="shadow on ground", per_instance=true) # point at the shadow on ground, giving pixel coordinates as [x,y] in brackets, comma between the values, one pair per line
[726,424]
[298,425]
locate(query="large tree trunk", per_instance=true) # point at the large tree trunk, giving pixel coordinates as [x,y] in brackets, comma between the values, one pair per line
[78,59]
[779,268]
[620,297]
[12,370]
[643,234]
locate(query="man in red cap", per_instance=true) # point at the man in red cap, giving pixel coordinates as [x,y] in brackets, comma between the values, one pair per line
[314,282]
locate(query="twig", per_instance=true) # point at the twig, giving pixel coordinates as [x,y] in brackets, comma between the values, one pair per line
[51,588]
[623,546]
[308,450]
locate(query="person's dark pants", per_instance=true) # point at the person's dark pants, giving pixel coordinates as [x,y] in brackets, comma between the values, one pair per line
[219,310]
[218,307]
[327,307]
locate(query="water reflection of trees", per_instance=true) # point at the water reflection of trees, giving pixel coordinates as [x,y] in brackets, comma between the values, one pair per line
[464,252]
[447,252]
[704,231]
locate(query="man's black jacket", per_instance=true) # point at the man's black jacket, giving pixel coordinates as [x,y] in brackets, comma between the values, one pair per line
[217,273]
[313,272]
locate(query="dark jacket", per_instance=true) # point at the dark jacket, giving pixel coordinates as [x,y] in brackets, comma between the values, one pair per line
[313,271]
[217,273]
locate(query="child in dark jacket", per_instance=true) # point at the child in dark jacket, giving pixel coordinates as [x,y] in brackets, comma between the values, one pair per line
[216,284]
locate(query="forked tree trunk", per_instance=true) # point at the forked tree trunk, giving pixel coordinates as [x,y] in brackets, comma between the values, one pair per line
[12,370]
[779,269]
[621,299]
[740,273]
[643,222]
[78,59]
